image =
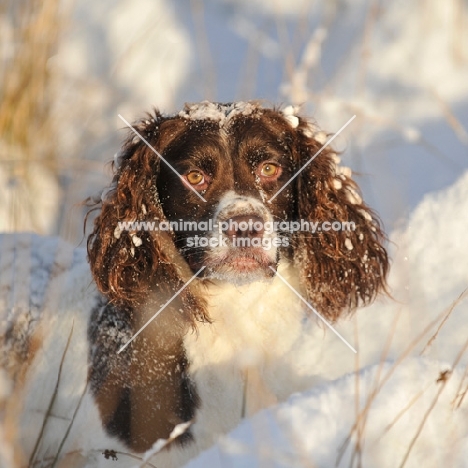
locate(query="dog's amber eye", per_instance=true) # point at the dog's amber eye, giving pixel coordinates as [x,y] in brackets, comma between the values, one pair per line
[195,177]
[269,170]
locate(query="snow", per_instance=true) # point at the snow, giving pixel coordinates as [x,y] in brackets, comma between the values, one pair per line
[428,275]
[344,171]
[402,69]
[321,137]
[310,428]
[353,197]
[293,120]
[221,113]
[24,302]
[337,184]
[136,240]
[117,232]
[400,366]
[161,443]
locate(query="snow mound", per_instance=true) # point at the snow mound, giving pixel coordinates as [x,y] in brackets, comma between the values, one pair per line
[33,270]
[311,429]
[426,319]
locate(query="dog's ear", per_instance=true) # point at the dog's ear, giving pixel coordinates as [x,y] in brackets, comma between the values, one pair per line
[127,263]
[344,263]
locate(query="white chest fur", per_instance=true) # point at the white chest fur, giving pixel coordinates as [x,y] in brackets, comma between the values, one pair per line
[244,360]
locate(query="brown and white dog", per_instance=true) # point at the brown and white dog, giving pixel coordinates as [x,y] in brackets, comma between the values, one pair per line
[253,202]
[227,344]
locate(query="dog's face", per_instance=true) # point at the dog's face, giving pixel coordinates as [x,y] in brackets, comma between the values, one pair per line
[236,168]
[233,170]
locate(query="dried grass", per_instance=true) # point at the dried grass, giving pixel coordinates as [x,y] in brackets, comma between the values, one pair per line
[357,432]
[27,129]
[28,135]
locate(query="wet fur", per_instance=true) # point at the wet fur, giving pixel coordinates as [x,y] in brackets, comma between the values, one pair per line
[187,365]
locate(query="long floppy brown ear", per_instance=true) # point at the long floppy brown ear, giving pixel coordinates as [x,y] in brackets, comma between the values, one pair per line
[127,264]
[344,263]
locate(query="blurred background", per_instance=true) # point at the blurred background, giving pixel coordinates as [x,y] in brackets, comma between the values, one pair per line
[68,67]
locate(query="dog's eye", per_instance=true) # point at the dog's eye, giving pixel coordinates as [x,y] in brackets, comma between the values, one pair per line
[195,177]
[269,170]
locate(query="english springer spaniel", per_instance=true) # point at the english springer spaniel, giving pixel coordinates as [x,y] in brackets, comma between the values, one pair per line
[228,234]
[219,219]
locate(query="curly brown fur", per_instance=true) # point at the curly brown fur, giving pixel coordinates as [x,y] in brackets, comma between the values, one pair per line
[125,275]
[337,279]
[137,272]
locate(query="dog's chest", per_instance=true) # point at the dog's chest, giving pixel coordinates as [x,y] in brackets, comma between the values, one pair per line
[245,351]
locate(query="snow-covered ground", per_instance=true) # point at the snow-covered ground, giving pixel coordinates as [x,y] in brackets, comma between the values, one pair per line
[318,428]
[405,345]
[402,68]
[405,386]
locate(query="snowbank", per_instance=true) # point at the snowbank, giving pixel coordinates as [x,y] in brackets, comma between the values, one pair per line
[310,429]
[429,274]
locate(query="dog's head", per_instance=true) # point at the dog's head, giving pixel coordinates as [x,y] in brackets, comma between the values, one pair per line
[234,188]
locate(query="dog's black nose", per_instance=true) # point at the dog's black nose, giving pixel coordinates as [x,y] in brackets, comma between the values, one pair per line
[245,226]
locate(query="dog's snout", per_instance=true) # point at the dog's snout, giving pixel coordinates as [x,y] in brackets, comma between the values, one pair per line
[245,226]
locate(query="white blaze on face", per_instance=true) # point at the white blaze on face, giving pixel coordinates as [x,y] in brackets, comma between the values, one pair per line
[222,255]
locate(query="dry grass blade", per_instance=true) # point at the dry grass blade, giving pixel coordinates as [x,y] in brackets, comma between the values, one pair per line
[204,50]
[370,23]
[443,382]
[52,400]
[401,413]
[26,85]
[454,123]
[361,418]
[459,394]
[383,357]
[27,97]
[457,301]
[384,380]
[67,432]
[357,452]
